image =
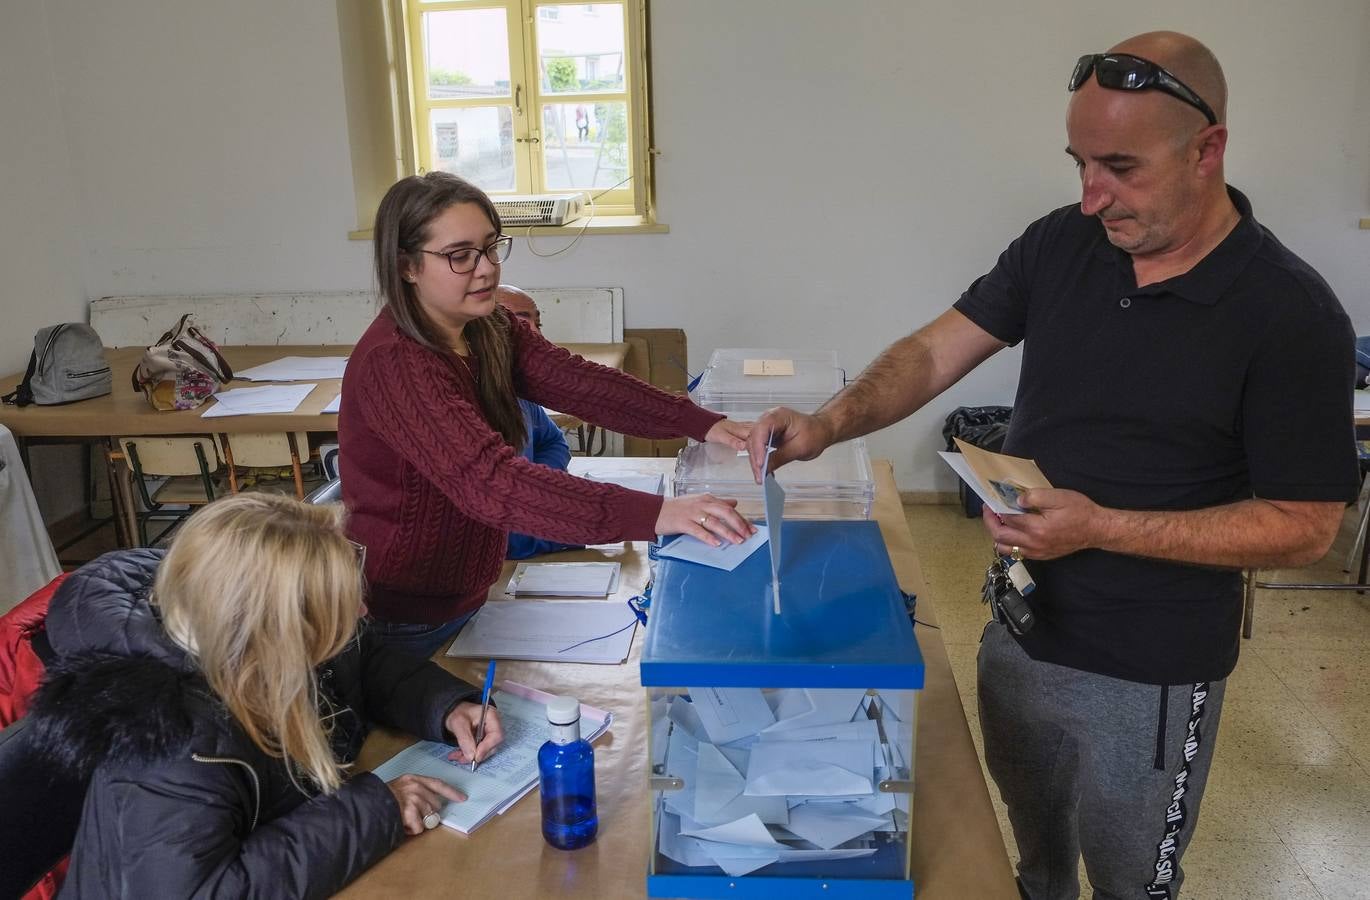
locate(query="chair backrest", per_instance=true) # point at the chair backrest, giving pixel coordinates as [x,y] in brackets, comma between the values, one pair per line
[42,812]
[266,448]
[175,455]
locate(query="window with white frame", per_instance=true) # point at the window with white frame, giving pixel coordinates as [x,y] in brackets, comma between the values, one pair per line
[526,97]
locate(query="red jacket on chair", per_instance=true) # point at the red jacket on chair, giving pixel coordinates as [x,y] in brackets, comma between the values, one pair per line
[20,668]
[21,671]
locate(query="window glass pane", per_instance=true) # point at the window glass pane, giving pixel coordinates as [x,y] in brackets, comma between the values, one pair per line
[467,53]
[580,47]
[476,143]
[585,145]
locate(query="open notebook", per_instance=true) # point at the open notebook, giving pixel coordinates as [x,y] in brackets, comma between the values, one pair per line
[500,780]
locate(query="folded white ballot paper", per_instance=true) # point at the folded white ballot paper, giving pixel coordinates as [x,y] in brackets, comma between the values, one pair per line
[731,713]
[806,707]
[827,827]
[726,556]
[813,768]
[682,840]
[509,773]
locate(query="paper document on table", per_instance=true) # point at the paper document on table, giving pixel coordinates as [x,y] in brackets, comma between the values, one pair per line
[296,368]
[334,405]
[1360,402]
[996,479]
[582,631]
[726,556]
[579,579]
[505,776]
[282,398]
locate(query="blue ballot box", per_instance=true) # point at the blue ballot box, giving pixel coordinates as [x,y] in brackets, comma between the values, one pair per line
[782,745]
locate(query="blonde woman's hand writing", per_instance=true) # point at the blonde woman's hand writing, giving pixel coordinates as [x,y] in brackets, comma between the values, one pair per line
[709,518]
[421,797]
[462,722]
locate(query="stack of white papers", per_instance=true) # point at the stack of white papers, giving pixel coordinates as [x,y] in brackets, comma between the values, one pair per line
[579,631]
[773,777]
[284,398]
[1360,402]
[500,780]
[583,579]
[296,368]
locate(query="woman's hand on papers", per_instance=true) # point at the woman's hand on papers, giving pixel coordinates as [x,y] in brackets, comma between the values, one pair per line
[419,796]
[462,722]
[726,431]
[706,517]
[795,435]
[1057,522]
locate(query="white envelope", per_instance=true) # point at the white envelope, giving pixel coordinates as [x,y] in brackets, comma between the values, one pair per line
[830,824]
[812,768]
[749,831]
[684,714]
[860,730]
[825,707]
[731,713]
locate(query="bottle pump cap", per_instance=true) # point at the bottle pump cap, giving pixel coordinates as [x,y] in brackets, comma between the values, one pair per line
[563,710]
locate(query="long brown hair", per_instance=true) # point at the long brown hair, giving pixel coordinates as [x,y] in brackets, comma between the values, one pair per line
[402,222]
[261,589]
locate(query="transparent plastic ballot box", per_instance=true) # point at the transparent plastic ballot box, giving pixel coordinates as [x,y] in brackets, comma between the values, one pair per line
[781,745]
[744,382]
[837,484]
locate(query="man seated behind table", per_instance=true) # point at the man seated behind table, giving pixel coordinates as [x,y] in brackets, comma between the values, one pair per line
[546,444]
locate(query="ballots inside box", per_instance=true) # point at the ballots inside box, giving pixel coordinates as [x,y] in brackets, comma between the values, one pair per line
[781,746]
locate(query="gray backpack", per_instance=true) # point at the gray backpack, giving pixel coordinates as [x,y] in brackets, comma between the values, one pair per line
[68,363]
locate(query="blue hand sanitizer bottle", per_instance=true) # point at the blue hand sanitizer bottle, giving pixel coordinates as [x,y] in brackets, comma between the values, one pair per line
[566,771]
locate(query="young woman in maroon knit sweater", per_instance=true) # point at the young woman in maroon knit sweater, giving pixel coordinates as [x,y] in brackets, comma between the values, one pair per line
[430,427]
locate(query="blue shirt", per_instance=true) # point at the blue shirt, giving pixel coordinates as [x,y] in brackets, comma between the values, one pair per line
[547,447]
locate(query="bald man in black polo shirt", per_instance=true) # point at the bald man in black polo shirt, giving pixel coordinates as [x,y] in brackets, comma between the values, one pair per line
[1184,384]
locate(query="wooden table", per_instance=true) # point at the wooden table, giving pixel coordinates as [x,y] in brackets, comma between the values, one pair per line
[126,412]
[957,849]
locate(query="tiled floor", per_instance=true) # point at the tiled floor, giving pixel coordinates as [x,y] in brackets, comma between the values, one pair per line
[1287,810]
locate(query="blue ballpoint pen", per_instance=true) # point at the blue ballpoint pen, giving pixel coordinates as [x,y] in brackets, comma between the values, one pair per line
[484,707]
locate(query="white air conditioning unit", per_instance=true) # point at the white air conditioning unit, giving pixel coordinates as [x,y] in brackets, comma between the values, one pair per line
[540,209]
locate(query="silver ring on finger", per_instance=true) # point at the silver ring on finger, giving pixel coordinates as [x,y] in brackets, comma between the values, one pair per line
[704,520]
[431,821]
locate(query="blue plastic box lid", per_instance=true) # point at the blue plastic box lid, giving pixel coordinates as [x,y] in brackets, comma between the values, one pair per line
[843,621]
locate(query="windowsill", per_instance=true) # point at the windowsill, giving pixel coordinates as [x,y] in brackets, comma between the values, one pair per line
[597,225]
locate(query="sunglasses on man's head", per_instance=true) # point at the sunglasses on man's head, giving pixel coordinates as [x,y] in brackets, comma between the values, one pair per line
[1125,72]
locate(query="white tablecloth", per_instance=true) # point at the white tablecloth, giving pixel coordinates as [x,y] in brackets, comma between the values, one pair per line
[27,560]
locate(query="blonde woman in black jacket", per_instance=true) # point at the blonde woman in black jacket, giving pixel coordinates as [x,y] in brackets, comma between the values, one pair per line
[214,700]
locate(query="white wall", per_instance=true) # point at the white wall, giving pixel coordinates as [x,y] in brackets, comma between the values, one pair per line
[833,173]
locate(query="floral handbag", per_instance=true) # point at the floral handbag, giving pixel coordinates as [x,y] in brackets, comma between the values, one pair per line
[182,369]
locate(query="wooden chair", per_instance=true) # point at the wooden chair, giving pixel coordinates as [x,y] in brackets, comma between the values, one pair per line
[187,462]
[266,450]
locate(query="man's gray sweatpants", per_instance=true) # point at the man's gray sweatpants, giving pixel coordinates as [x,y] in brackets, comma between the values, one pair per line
[1090,764]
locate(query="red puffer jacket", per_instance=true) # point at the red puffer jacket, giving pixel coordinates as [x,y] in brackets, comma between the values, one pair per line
[20,668]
